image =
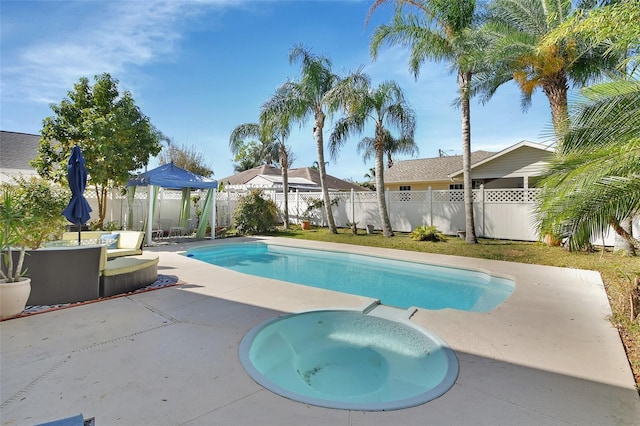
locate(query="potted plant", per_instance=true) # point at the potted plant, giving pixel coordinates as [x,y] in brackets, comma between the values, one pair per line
[14,286]
[550,233]
[305,224]
[30,212]
[312,207]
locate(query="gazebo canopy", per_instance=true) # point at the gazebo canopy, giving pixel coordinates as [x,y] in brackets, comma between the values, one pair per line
[173,177]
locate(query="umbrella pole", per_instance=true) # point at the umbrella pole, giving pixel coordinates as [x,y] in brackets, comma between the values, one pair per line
[79,231]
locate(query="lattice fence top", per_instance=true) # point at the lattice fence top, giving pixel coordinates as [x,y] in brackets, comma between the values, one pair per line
[406,196]
[511,195]
[365,196]
[444,196]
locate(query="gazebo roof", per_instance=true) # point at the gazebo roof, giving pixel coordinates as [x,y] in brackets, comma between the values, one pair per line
[171,176]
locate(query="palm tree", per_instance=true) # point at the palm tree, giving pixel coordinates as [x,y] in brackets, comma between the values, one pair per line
[304,97]
[384,105]
[272,135]
[392,146]
[517,29]
[444,31]
[594,181]
[279,128]
[371,174]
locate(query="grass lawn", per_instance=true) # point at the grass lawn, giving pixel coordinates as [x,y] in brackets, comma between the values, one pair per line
[618,272]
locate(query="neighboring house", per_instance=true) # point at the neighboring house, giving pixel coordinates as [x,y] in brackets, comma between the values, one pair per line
[301,179]
[16,151]
[518,166]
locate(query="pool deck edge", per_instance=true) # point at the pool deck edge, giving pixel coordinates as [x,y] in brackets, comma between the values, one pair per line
[548,355]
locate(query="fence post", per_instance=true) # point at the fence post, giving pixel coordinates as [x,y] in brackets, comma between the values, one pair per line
[229,207]
[482,206]
[430,200]
[214,213]
[353,206]
[387,199]
[298,206]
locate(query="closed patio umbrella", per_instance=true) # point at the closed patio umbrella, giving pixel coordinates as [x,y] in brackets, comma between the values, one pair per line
[78,209]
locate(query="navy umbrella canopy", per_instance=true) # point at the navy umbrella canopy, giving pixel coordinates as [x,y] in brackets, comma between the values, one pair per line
[77,212]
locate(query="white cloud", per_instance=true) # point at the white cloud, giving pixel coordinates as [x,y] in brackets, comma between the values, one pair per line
[115,37]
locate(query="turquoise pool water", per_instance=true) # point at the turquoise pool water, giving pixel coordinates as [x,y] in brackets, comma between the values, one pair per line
[348,360]
[396,283]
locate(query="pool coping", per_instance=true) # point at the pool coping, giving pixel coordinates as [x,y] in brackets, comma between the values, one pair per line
[548,355]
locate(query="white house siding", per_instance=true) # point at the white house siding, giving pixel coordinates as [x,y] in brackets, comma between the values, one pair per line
[524,161]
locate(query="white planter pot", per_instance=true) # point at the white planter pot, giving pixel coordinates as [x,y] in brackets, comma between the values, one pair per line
[13,297]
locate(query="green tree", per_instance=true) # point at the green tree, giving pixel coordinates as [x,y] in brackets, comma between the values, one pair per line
[186,158]
[255,214]
[517,29]
[384,105]
[442,30]
[116,138]
[297,100]
[272,139]
[392,146]
[594,180]
[248,156]
[613,29]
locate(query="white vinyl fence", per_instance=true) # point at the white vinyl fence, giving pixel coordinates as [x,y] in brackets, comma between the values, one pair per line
[499,213]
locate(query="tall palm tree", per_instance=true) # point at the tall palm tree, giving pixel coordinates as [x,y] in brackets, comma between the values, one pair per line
[392,146]
[442,31]
[305,97]
[516,31]
[279,128]
[594,181]
[272,135]
[384,105]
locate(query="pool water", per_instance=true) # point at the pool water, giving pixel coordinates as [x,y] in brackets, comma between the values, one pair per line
[348,360]
[396,283]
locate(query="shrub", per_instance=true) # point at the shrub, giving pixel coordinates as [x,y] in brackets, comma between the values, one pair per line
[427,233]
[255,215]
[44,204]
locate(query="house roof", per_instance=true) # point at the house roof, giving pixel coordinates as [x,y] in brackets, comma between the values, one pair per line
[519,145]
[307,173]
[430,169]
[17,150]
[293,182]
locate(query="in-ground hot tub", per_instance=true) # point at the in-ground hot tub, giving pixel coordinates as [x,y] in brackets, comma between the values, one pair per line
[349,360]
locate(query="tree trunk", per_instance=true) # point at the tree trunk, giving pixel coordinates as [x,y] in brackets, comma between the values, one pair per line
[284,163]
[382,202]
[101,195]
[624,240]
[464,81]
[556,88]
[323,174]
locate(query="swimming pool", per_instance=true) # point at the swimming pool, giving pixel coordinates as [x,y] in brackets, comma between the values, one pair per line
[394,282]
[348,360]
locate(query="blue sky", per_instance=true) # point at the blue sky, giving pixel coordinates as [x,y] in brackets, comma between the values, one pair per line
[198,69]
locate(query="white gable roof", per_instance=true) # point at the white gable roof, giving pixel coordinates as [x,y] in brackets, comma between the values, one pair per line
[522,159]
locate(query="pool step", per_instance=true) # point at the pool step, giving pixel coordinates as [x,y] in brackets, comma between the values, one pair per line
[390,312]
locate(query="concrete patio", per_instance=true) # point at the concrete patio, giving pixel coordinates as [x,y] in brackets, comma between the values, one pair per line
[547,356]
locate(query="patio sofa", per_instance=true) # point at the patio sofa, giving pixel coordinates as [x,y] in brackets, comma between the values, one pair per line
[120,243]
[128,273]
[80,273]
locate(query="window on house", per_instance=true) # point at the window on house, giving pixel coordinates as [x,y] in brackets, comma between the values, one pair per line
[405,195]
[456,186]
